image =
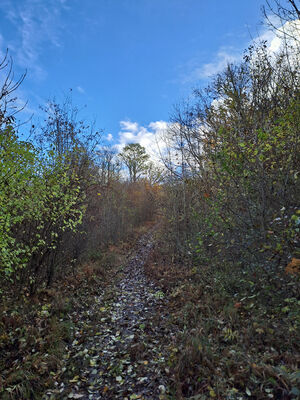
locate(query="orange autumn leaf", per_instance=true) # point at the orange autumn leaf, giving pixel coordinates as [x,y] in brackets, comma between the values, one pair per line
[293,267]
[207,195]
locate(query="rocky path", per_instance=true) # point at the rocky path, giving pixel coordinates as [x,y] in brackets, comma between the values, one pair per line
[125,357]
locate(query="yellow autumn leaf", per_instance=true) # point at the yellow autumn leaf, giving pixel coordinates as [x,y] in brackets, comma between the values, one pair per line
[75,379]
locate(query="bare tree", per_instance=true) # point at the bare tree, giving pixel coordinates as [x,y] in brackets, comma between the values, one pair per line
[8,105]
[109,165]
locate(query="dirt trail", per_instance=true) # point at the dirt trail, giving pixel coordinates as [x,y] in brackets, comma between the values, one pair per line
[125,357]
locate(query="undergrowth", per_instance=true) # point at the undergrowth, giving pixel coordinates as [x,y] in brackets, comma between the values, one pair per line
[238,334]
[35,331]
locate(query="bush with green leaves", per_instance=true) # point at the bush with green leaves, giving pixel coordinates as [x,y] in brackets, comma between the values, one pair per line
[237,183]
[40,199]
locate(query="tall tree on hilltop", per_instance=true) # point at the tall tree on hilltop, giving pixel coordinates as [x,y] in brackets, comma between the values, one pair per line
[135,158]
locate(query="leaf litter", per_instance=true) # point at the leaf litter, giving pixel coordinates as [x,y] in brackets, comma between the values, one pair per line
[122,340]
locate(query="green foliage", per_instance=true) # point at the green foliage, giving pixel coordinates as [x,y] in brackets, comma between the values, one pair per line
[232,212]
[13,184]
[135,158]
[39,200]
[236,193]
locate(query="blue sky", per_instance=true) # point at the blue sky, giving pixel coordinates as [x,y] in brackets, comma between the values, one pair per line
[128,61]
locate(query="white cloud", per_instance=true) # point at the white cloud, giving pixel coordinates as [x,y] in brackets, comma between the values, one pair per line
[80,90]
[159,125]
[129,126]
[149,136]
[287,36]
[109,137]
[284,39]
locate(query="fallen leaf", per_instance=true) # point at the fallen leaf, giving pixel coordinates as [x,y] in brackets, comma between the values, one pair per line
[293,267]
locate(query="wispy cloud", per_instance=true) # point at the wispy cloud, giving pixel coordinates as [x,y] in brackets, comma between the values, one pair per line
[37,23]
[2,49]
[195,71]
[223,57]
[80,89]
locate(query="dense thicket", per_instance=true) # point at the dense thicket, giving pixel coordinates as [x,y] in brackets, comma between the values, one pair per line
[229,251]
[234,175]
[62,196]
